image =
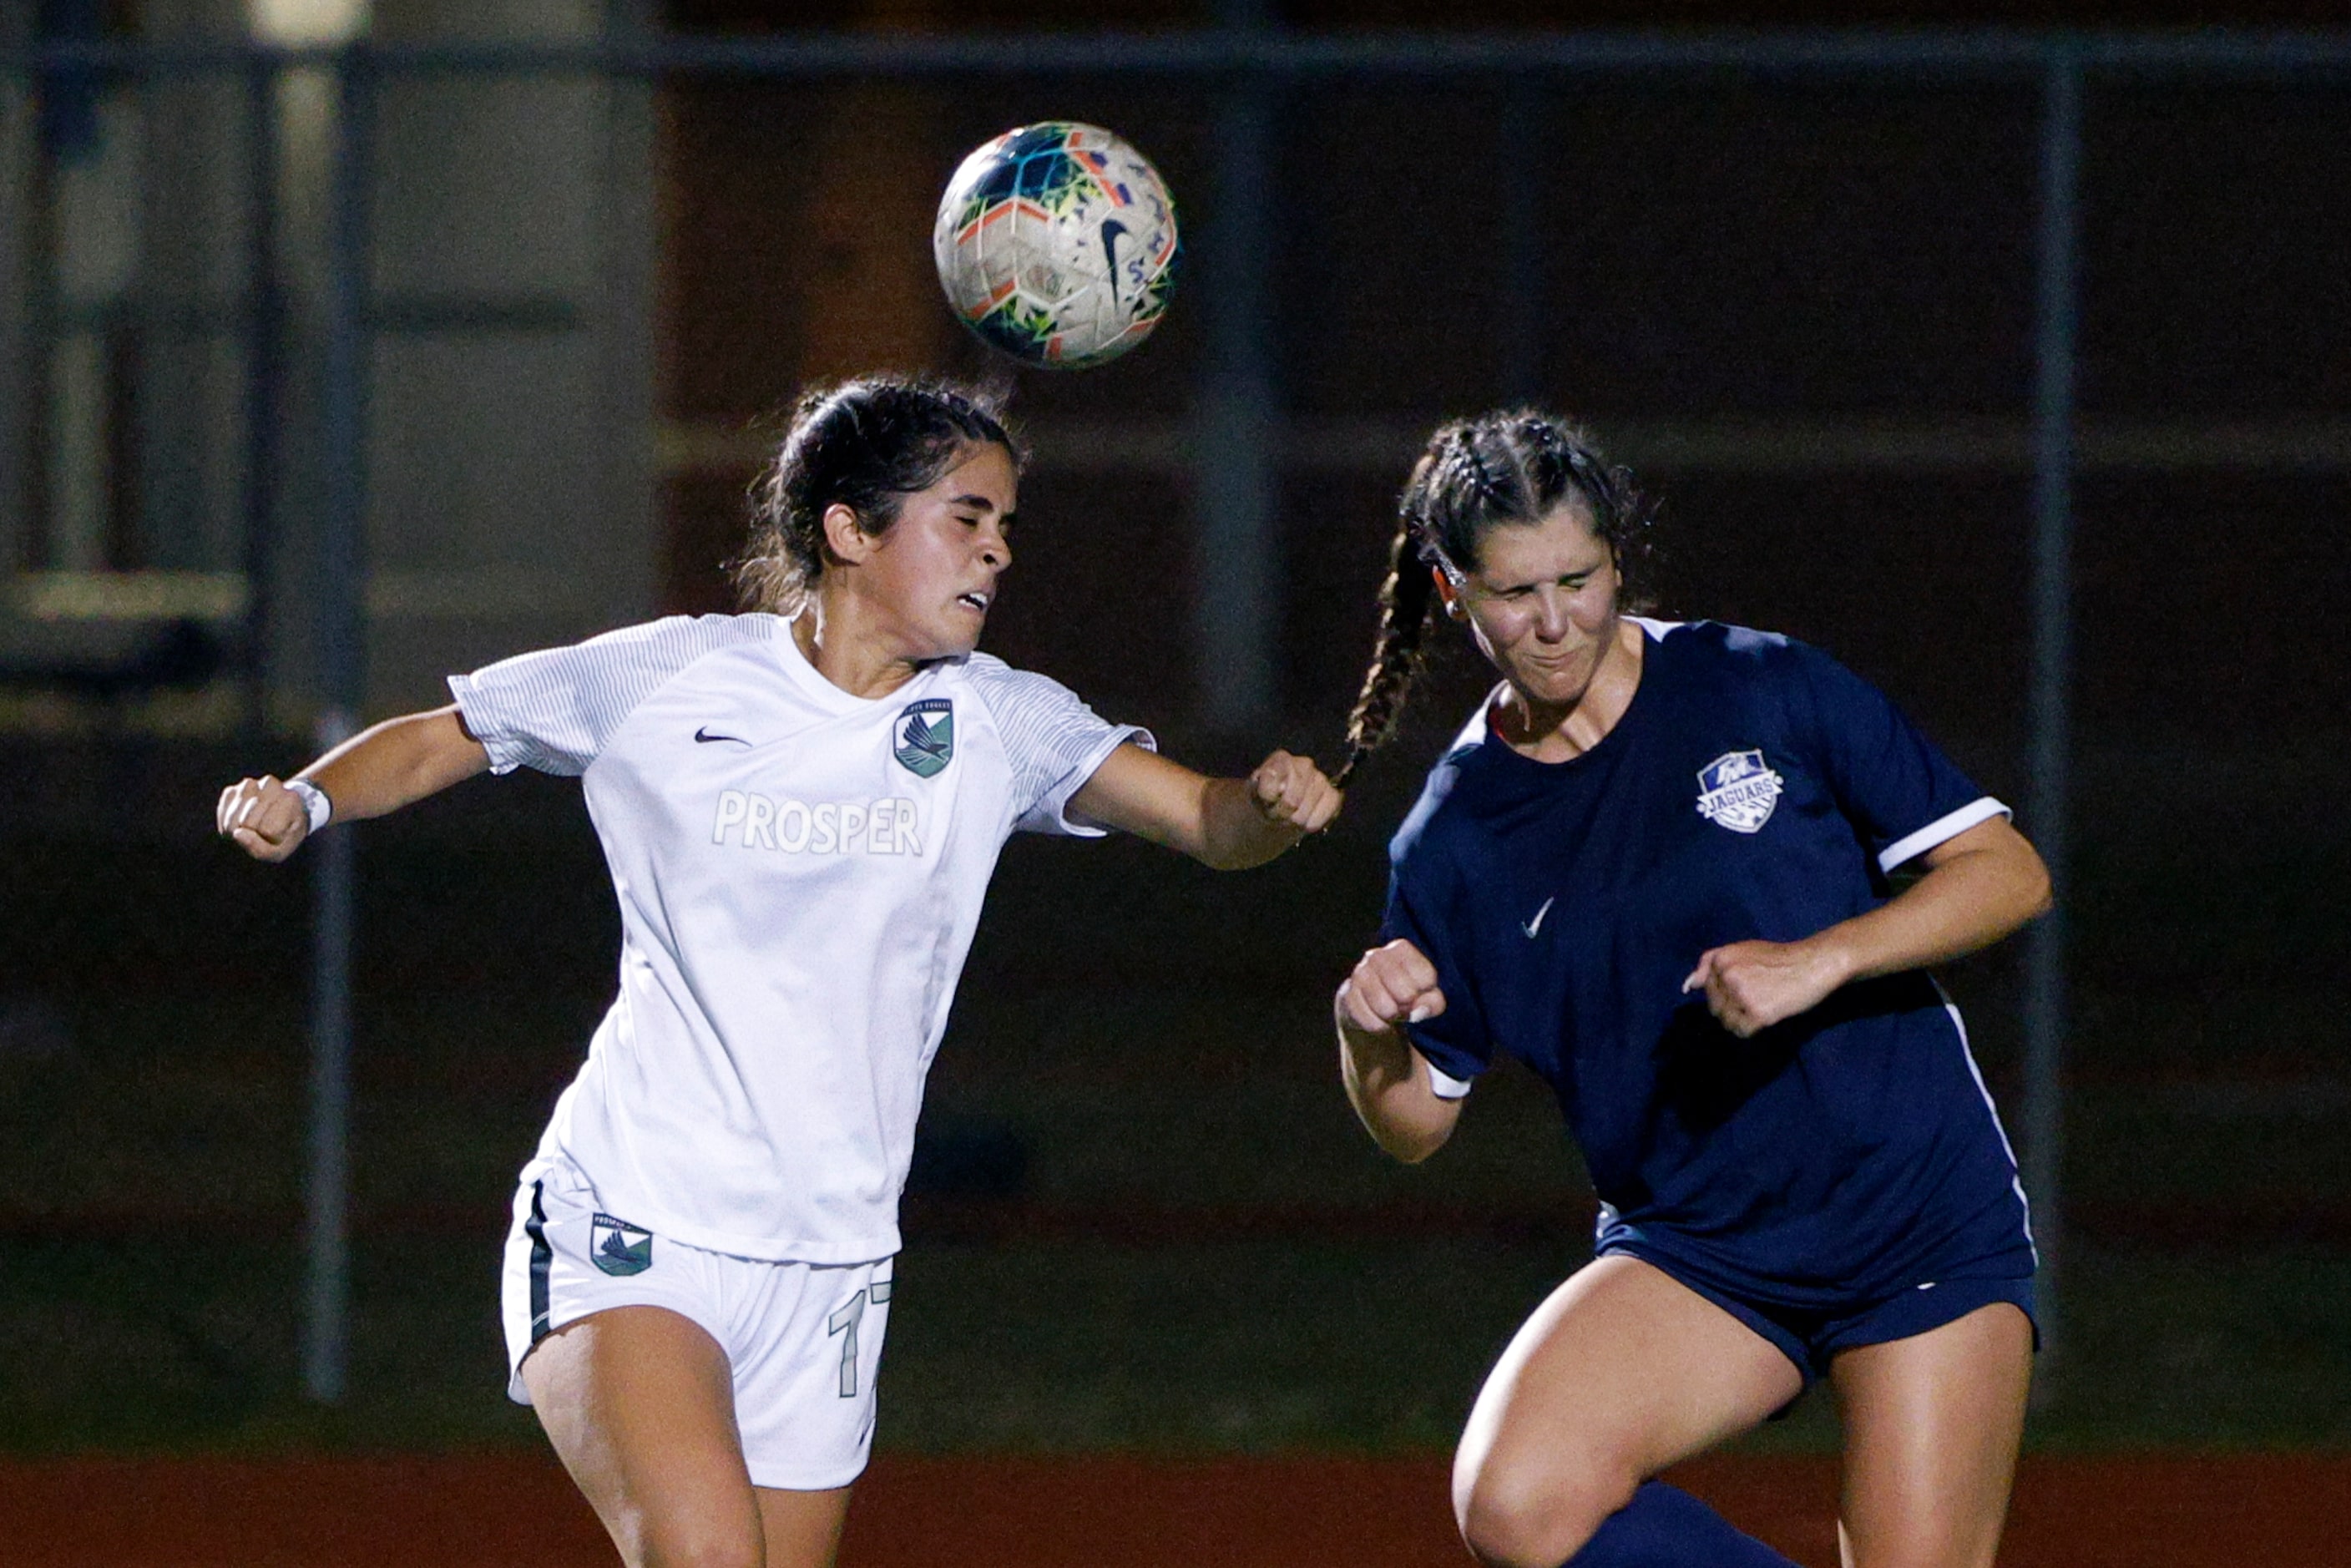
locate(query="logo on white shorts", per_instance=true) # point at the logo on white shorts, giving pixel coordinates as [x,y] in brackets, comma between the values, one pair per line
[1737,791]
[620,1247]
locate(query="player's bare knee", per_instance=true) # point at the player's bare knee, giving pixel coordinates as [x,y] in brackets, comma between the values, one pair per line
[678,1529]
[1533,1515]
[1926,1547]
[689,1545]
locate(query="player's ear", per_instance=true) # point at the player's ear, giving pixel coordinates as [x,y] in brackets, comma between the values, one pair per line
[843,538]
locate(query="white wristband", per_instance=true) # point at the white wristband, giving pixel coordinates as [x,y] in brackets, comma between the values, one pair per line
[314,801]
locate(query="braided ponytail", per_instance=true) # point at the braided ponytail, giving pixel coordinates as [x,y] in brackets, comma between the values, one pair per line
[1397,656]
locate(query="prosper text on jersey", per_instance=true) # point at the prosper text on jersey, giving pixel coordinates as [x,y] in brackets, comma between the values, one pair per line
[884,827]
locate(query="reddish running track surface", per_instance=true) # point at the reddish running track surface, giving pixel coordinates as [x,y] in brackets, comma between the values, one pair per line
[491,1511]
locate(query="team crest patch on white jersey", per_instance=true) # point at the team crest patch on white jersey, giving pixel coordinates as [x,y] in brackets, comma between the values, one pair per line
[620,1247]
[1738,791]
[926,737]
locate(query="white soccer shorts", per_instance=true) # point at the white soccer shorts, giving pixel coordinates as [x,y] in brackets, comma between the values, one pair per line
[804,1340]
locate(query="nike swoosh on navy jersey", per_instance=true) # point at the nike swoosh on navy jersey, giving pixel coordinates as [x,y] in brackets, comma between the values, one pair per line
[1531,927]
[705,737]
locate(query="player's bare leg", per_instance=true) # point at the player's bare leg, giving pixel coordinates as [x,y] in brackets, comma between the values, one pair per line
[640,1405]
[1621,1373]
[802,1528]
[1931,1429]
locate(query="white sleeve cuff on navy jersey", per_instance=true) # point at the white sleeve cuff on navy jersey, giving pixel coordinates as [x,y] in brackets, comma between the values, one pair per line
[1942,828]
[1444,1085]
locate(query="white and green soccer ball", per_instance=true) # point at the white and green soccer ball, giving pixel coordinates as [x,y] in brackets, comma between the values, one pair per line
[1056,243]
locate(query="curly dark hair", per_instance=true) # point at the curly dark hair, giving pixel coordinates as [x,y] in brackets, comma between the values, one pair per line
[1510,468]
[866,445]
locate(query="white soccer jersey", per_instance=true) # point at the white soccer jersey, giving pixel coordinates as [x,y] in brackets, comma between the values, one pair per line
[800,874]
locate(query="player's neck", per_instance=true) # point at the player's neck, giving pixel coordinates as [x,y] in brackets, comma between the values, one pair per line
[859,661]
[1556,732]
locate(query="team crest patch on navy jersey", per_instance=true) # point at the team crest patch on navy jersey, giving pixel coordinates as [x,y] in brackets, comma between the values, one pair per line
[926,737]
[620,1247]
[1738,791]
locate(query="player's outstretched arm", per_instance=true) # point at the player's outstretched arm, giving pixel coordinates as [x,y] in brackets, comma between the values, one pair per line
[378,770]
[1979,886]
[1228,823]
[1387,1081]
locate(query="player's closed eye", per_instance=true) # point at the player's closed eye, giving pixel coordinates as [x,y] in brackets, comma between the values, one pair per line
[1526,591]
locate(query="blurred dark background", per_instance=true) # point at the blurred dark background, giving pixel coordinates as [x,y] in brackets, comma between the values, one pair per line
[1801,306]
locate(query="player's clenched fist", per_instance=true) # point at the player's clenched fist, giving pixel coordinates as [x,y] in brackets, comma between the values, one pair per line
[1390,985]
[1750,985]
[1292,789]
[265,818]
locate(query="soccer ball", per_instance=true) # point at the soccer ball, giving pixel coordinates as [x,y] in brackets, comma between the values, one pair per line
[1056,242]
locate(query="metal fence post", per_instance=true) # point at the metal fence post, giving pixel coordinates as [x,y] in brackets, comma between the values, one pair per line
[1524,283]
[326,1327]
[1236,609]
[20,157]
[2056,328]
[264,374]
[342,620]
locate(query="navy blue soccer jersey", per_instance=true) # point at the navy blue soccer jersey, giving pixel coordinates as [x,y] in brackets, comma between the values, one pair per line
[1753,788]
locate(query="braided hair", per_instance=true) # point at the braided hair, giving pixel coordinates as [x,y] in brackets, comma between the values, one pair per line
[866,445]
[1511,468]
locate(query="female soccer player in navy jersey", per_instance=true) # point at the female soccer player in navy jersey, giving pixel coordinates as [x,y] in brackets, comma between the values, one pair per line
[801,807]
[1653,868]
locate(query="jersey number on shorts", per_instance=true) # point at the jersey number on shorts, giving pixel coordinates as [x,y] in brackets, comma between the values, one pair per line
[844,1322]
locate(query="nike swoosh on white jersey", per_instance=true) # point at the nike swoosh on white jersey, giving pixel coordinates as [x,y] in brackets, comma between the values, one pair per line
[1531,927]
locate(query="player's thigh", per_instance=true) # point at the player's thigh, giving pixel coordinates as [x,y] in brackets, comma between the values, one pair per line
[1622,1372]
[1931,1429]
[639,1405]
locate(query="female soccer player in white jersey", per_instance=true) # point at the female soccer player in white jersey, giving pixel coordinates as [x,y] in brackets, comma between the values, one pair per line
[801,807]
[1653,868]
